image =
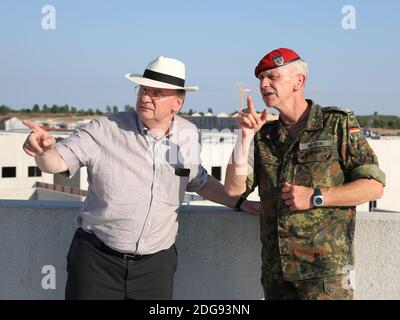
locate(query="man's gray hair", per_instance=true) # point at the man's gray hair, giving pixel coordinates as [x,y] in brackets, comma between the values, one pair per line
[301,66]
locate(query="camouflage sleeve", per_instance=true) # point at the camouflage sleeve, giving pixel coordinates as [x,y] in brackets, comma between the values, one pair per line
[252,179]
[359,160]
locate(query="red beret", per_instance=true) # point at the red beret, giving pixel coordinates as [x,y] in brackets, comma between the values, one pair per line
[275,59]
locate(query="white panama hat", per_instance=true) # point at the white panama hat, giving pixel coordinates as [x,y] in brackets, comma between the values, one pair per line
[165,73]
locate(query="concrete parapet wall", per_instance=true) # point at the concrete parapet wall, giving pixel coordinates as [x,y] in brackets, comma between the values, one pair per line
[377,247]
[218,252]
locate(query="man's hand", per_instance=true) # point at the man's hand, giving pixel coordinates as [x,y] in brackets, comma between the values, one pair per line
[39,140]
[252,207]
[297,197]
[249,120]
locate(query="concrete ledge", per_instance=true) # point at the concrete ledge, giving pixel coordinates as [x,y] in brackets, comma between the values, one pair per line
[377,255]
[218,248]
[48,204]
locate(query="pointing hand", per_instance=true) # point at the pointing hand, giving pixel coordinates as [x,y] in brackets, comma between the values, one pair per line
[39,140]
[249,120]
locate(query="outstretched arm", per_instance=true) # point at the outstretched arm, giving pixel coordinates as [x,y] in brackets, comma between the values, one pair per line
[213,190]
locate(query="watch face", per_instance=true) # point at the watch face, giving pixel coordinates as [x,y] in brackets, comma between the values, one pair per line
[318,201]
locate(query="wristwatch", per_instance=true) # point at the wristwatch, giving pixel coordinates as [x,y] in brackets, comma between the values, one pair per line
[239,203]
[317,198]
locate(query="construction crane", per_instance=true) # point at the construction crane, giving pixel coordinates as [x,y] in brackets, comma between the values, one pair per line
[242,91]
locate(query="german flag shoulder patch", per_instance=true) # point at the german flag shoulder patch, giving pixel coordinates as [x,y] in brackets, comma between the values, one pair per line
[354,130]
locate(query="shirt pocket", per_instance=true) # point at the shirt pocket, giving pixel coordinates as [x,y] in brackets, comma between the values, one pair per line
[314,167]
[174,186]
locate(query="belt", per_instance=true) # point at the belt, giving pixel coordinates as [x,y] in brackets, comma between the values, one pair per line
[90,237]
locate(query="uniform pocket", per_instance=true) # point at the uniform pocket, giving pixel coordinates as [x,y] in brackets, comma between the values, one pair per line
[336,289]
[267,175]
[314,167]
[315,155]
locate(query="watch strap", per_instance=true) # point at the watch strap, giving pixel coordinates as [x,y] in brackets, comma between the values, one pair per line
[239,203]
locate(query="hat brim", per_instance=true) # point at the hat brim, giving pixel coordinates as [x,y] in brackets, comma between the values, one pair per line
[137,78]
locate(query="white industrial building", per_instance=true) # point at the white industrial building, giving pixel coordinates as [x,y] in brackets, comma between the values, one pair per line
[21,179]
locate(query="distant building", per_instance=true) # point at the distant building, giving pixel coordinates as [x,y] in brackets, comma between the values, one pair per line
[21,179]
[11,123]
[209,121]
[220,122]
[14,123]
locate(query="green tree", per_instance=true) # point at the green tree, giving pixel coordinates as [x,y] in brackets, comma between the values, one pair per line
[210,110]
[4,110]
[108,110]
[64,109]
[36,108]
[73,110]
[128,108]
[55,109]
[115,109]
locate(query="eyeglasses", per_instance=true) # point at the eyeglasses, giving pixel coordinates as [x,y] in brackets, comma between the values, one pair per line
[154,94]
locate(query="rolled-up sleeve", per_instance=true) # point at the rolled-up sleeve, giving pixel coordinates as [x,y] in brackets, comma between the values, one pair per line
[198,179]
[81,147]
[358,157]
[368,171]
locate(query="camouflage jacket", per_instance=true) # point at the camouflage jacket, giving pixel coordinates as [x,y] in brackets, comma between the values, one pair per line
[329,151]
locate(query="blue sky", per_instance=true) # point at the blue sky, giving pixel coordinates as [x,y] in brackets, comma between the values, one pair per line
[82,61]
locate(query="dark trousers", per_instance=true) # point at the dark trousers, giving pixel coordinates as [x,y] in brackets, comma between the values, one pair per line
[97,272]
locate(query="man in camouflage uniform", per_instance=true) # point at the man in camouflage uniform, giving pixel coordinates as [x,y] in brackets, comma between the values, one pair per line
[312,167]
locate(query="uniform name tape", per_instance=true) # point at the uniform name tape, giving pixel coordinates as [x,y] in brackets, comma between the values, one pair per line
[322,143]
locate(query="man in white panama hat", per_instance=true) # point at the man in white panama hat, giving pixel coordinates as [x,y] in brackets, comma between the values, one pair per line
[139,164]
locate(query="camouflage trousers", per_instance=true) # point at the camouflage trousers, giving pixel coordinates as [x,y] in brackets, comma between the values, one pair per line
[333,288]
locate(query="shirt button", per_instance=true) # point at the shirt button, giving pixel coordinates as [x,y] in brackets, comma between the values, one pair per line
[148,223]
[141,241]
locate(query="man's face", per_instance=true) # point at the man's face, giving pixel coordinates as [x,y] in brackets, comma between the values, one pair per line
[276,85]
[157,104]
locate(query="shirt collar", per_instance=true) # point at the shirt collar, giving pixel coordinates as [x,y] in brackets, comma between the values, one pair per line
[144,130]
[315,120]
[141,126]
